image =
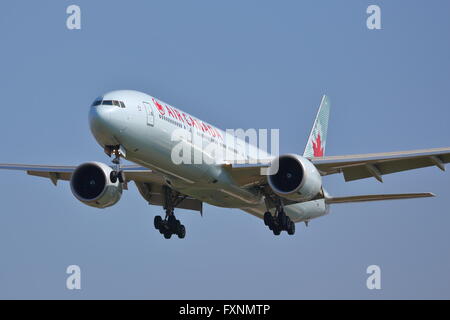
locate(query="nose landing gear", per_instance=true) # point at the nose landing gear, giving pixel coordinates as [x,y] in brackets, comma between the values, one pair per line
[117,173]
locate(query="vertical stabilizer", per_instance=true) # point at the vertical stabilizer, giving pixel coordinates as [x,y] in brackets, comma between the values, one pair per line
[318,137]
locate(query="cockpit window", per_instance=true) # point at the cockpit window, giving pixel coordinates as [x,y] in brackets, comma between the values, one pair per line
[116,103]
[97,102]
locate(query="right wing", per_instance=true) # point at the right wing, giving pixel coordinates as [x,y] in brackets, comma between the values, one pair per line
[55,173]
[149,183]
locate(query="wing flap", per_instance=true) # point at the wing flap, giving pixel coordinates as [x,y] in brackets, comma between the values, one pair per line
[154,194]
[247,175]
[53,176]
[361,171]
[378,197]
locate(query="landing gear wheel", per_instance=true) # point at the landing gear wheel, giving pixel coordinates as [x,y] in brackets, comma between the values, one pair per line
[283,220]
[291,228]
[116,175]
[113,176]
[276,231]
[268,218]
[158,221]
[171,219]
[120,177]
[173,223]
[167,234]
[181,232]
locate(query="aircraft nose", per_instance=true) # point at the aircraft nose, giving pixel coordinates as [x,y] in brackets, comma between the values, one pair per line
[99,117]
[105,123]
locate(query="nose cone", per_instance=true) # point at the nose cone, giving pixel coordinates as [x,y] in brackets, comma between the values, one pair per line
[99,117]
[106,122]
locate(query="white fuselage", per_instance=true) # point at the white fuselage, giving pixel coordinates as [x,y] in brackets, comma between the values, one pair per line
[146,128]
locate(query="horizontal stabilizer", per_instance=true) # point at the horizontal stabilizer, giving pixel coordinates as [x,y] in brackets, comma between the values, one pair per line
[378,197]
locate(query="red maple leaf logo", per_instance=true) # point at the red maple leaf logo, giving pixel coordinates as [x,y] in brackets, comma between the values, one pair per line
[159,106]
[317,147]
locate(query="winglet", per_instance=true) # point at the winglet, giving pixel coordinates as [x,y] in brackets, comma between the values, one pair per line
[318,136]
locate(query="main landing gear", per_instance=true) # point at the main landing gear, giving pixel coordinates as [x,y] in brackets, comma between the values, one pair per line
[279,222]
[170,225]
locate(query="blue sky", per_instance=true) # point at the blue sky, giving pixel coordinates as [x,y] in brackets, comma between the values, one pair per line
[235,64]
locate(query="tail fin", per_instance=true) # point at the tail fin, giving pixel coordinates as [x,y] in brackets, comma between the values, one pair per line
[318,137]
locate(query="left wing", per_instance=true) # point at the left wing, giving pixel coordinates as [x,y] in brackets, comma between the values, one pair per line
[353,167]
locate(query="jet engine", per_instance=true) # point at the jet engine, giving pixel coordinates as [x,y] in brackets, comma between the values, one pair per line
[294,177]
[91,184]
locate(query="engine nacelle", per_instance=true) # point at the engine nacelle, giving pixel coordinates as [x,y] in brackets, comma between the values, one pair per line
[294,177]
[91,184]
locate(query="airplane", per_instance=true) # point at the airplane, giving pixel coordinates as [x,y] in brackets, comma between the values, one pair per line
[140,128]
